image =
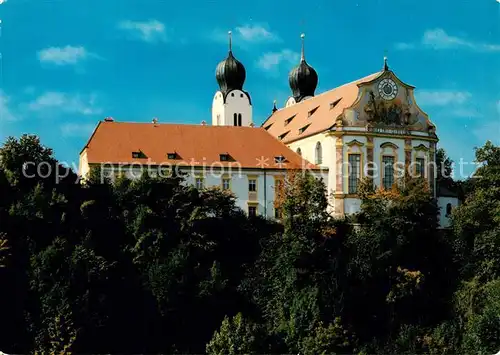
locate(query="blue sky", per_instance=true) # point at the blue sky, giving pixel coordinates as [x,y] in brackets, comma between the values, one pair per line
[67,64]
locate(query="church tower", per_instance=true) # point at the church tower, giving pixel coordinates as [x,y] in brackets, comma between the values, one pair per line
[302,79]
[231,105]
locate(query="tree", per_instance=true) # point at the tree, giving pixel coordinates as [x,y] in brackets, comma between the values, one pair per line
[476,226]
[297,281]
[236,336]
[401,265]
[4,249]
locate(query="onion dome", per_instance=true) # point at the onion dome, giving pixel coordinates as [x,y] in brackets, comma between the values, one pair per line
[230,73]
[303,79]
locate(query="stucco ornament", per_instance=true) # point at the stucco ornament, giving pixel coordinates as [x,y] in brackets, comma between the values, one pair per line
[392,113]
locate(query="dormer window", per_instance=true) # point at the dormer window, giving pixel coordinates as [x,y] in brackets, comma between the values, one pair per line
[279,159]
[138,155]
[289,120]
[303,128]
[333,104]
[172,155]
[283,135]
[312,111]
[224,157]
[268,126]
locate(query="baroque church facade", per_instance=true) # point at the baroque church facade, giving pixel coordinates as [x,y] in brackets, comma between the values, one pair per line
[371,127]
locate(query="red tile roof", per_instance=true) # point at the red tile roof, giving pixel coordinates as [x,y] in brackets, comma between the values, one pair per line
[195,145]
[314,115]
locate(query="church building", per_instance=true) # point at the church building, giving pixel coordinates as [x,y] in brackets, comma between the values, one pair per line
[371,127]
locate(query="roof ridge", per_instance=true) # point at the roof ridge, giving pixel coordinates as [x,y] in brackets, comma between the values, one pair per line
[176,124]
[329,91]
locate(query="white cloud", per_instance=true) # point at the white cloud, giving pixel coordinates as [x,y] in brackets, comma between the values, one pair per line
[148,31]
[442,97]
[255,33]
[465,112]
[6,113]
[59,102]
[77,129]
[246,35]
[68,55]
[438,39]
[271,60]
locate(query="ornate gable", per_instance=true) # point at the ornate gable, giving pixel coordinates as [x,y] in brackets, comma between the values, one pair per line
[387,102]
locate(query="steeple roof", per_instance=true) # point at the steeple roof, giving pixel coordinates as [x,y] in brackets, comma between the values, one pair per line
[230,73]
[303,79]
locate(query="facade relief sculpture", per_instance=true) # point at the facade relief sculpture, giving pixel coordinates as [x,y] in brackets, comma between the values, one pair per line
[389,113]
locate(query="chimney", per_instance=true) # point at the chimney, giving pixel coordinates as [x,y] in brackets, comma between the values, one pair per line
[155,120]
[203,123]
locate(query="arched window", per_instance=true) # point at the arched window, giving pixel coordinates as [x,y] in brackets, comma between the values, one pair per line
[319,153]
[235,117]
[448,209]
[239,119]
[299,152]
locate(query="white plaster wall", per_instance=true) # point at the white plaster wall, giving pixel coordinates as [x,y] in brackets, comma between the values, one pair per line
[236,102]
[239,184]
[308,151]
[83,166]
[444,221]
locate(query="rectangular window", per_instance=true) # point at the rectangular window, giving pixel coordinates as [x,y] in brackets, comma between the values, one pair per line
[354,172]
[226,184]
[252,185]
[388,166]
[199,183]
[252,211]
[420,167]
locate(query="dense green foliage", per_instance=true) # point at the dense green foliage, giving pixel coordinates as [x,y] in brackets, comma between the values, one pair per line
[157,266]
